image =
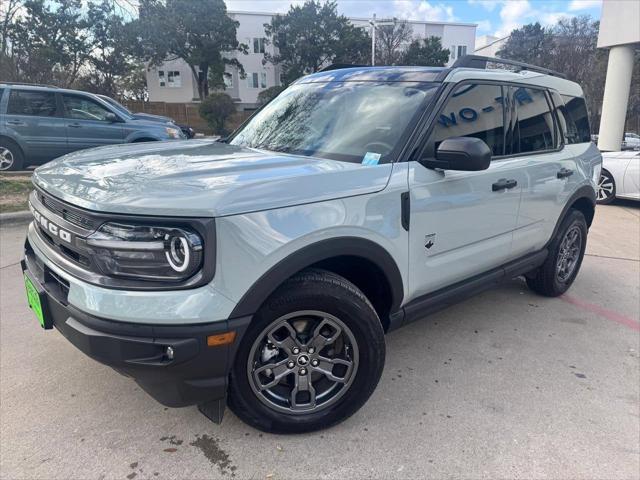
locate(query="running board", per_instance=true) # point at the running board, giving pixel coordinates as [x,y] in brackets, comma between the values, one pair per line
[431,302]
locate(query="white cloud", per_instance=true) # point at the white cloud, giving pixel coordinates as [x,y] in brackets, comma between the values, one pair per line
[423,10]
[553,17]
[488,5]
[576,5]
[513,14]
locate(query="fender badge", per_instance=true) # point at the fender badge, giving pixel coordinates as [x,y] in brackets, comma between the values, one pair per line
[429,240]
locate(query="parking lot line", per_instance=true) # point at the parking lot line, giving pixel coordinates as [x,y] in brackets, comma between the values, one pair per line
[603,312]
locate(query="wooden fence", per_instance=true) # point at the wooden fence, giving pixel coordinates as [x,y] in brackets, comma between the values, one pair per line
[184,114]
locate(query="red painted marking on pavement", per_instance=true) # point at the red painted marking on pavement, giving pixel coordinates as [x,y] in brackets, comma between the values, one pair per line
[603,312]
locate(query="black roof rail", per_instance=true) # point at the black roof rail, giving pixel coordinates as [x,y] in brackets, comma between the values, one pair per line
[338,66]
[478,61]
[26,84]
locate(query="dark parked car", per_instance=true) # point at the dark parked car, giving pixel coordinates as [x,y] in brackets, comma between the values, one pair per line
[40,123]
[187,130]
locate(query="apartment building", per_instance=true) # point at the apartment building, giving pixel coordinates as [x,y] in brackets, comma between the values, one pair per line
[173,81]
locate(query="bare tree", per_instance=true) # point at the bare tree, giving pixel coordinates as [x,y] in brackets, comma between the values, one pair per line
[391,41]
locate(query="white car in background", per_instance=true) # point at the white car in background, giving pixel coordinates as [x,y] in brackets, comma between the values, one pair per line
[620,177]
[631,141]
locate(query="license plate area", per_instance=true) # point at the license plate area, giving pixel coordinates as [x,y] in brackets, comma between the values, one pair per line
[38,301]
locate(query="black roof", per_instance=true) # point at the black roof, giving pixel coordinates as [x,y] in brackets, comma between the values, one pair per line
[377,74]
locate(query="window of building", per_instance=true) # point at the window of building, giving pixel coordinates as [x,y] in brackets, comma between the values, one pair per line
[258,45]
[174,80]
[263,80]
[534,127]
[161,78]
[228,81]
[252,80]
[452,52]
[462,50]
[473,110]
[29,102]
[84,108]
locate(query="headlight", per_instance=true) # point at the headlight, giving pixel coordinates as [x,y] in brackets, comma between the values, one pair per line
[146,252]
[173,132]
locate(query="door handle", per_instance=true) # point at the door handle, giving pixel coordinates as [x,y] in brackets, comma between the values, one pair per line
[74,125]
[503,184]
[17,123]
[564,172]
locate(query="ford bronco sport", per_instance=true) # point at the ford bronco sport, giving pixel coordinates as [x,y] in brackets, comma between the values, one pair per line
[263,271]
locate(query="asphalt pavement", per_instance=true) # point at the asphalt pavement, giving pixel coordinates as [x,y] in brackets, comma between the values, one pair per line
[505,385]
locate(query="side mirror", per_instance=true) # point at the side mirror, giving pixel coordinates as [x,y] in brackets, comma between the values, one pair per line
[462,153]
[112,117]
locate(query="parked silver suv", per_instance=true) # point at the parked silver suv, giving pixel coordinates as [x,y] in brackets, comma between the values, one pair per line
[266,270]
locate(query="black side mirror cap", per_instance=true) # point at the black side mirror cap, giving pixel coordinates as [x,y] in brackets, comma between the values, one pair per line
[461,153]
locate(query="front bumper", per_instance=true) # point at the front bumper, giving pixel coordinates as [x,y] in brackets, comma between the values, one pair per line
[197,373]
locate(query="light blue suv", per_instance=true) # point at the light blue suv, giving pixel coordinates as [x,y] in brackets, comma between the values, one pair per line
[40,123]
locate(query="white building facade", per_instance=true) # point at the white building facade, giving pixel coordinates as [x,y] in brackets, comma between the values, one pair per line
[173,81]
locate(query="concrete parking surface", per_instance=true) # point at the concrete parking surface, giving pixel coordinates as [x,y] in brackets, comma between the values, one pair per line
[505,385]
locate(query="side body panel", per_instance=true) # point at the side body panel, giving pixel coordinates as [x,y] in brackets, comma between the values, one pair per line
[631,182]
[469,225]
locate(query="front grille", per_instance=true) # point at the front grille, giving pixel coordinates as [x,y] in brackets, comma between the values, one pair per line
[69,214]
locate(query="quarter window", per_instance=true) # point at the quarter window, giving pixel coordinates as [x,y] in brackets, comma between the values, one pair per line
[83,108]
[25,102]
[473,110]
[575,109]
[534,127]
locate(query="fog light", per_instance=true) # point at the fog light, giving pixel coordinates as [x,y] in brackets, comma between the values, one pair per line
[169,353]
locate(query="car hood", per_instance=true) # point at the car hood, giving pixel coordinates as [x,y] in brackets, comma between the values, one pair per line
[200,178]
[152,118]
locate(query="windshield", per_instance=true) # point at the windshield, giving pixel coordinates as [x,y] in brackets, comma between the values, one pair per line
[118,106]
[349,121]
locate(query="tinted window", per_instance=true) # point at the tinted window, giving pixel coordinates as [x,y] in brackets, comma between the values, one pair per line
[1,93]
[363,122]
[575,110]
[473,110]
[534,126]
[25,102]
[84,108]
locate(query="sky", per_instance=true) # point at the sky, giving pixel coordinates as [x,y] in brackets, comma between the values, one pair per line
[494,17]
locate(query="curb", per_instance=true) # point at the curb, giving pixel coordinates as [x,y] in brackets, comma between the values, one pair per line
[15,218]
[20,173]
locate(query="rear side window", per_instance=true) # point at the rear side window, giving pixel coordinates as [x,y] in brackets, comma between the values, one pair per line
[473,110]
[534,129]
[28,102]
[574,111]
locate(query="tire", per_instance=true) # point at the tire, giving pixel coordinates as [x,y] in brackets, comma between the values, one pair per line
[606,188]
[11,157]
[315,301]
[555,276]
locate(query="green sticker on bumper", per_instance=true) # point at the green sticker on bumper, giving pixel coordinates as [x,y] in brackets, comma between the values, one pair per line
[34,299]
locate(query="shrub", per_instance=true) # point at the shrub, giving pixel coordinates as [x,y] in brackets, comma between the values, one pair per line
[269,94]
[216,109]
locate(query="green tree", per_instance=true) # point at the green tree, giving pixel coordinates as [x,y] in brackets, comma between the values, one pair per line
[216,109]
[199,32]
[426,52]
[265,96]
[530,44]
[108,58]
[311,36]
[49,41]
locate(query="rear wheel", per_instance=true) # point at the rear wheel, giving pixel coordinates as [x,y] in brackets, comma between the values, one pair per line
[11,157]
[606,188]
[311,358]
[566,252]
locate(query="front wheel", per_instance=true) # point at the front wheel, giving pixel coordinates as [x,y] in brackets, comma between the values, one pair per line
[566,252]
[11,157]
[312,356]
